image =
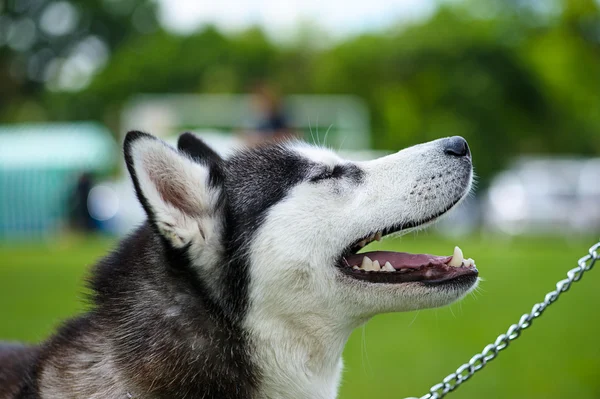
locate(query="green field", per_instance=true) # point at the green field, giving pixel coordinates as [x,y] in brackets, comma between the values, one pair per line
[394,355]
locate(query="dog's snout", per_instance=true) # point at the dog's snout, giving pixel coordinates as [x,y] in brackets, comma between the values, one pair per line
[456,146]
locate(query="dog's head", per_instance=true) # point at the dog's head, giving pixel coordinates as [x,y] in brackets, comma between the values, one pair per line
[276,229]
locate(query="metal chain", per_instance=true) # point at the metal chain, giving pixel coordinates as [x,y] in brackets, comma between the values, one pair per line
[477,362]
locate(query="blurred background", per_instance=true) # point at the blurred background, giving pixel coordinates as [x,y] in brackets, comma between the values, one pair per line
[519,79]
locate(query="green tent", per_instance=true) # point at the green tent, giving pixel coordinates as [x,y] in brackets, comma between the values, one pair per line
[40,165]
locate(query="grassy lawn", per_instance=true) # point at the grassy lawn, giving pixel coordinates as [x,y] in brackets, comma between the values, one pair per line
[395,355]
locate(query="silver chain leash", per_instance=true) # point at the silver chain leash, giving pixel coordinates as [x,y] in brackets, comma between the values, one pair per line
[477,362]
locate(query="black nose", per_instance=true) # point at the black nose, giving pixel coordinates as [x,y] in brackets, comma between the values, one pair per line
[456,146]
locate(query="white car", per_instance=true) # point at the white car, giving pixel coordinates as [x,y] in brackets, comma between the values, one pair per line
[545,195]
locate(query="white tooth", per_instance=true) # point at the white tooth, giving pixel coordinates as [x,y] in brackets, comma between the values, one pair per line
[355,267]
[378,236]
[376,266]
[469,262]
[367,264]
[457,258]
[388,267]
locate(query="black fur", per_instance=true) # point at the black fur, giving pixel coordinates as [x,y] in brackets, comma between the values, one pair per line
[255,181]
[195,353]
[198,352]
[16,362]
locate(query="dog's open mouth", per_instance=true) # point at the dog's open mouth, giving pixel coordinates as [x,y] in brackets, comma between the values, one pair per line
[401,267]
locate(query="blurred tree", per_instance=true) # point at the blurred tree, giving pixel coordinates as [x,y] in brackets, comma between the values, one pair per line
[206,61]
[60,45]
[512,77]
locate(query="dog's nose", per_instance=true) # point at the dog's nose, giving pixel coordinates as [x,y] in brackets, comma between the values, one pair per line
[456,146]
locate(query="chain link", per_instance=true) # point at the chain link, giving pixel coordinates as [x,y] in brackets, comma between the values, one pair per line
[489,353]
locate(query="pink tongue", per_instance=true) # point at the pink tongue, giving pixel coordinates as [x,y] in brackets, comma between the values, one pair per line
[399,260]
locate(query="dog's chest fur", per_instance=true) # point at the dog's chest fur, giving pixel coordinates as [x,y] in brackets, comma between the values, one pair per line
[297,366]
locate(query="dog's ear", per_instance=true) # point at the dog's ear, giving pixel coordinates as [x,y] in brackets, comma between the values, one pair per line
[191,145]
[180,196]
[197,149]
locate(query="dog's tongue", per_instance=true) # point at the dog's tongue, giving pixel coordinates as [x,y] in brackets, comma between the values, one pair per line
[399,260]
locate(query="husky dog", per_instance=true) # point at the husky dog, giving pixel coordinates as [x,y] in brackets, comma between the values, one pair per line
[245,282]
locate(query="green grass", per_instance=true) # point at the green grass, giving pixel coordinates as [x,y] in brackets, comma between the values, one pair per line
[394,355]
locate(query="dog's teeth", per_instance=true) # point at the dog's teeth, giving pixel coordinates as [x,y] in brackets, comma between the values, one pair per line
[355,268]
[469,262]
[457,258]
[376,266]
[367,264]
[378,236]
[388,267]
[362,243]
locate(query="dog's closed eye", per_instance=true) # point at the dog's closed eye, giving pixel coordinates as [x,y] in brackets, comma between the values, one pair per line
[328,173]
[337,172]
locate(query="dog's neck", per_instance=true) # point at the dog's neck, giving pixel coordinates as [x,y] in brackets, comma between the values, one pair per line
[299,356]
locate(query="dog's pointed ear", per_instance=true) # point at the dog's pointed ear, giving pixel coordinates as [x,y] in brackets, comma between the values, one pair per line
[197,149]
[180,196]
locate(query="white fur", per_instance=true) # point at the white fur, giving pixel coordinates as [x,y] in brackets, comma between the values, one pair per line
[302,309]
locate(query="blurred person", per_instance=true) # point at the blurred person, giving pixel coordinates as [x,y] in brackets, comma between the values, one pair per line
[271,122]
[80,215]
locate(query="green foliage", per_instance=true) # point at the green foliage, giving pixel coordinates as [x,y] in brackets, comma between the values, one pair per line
[37,38]
[511,77]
